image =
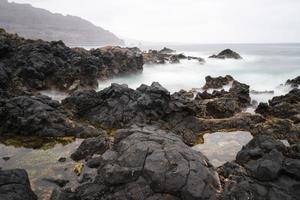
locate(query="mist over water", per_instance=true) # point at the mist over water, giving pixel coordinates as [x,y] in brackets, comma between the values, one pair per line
[264,67]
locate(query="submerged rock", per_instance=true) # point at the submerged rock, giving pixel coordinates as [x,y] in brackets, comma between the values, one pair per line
[150,164]
[227,54]
[14,184]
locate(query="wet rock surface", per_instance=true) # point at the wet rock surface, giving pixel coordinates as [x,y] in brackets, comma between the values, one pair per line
[227,54]
[39,65]
[264,169]
[149,164]
[14,184]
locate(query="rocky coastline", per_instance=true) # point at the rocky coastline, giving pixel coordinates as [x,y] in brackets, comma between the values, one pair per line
[139,141]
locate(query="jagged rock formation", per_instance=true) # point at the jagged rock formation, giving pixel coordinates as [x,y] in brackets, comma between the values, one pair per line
[264,169]
[295,83]
[283,114]
[167,56]
[40,116]
[119,106]
[148,163]
[218,82]
[36,23]
[38,65]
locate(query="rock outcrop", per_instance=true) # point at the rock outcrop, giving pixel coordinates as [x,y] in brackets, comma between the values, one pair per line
[264,169]
[283,114]
[166,50]
[119,106]
[295,83]
[39,65]
[148,163]
[227,54]
[15,185]
[217,82]
[40,116]
[167,56]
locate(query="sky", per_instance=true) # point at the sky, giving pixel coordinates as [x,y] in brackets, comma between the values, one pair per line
[188,21]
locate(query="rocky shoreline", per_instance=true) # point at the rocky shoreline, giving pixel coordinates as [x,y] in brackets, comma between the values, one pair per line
[140,140]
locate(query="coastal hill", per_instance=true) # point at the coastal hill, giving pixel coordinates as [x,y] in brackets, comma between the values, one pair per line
[36,23]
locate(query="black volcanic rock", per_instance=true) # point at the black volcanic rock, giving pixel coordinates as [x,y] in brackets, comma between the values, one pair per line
[149,164]
[264,169]
[15,185]
[217,82]
[167,56]
[285,106]
[293,82]
[38,65]
[119,106]
[227,54]
[166,50]
[91,146]
[283,114]
[40,116]
[36,23]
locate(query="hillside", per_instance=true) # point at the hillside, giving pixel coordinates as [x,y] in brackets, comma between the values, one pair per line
[36,23]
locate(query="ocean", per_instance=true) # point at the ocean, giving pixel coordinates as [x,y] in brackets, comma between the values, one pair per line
[265,67]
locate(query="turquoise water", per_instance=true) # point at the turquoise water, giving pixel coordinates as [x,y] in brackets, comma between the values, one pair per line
[264,67]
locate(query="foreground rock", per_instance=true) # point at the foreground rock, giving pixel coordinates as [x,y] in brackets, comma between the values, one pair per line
[264,169]
[227,54]
[40,116]
[39,65]
[148,163]
[14,185]
[91,146]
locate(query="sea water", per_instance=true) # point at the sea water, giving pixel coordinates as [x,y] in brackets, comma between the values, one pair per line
[265,67]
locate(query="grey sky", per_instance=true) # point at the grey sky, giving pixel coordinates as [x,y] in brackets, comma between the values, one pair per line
[192,21]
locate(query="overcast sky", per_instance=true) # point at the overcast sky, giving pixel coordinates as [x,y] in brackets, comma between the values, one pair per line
[188,21]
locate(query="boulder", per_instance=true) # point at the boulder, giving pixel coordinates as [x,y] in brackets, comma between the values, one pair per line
[166,50]
[15,185]
[227,54]
[91,146]
[264,169]
[40,116]
[217,82]
[151,164]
